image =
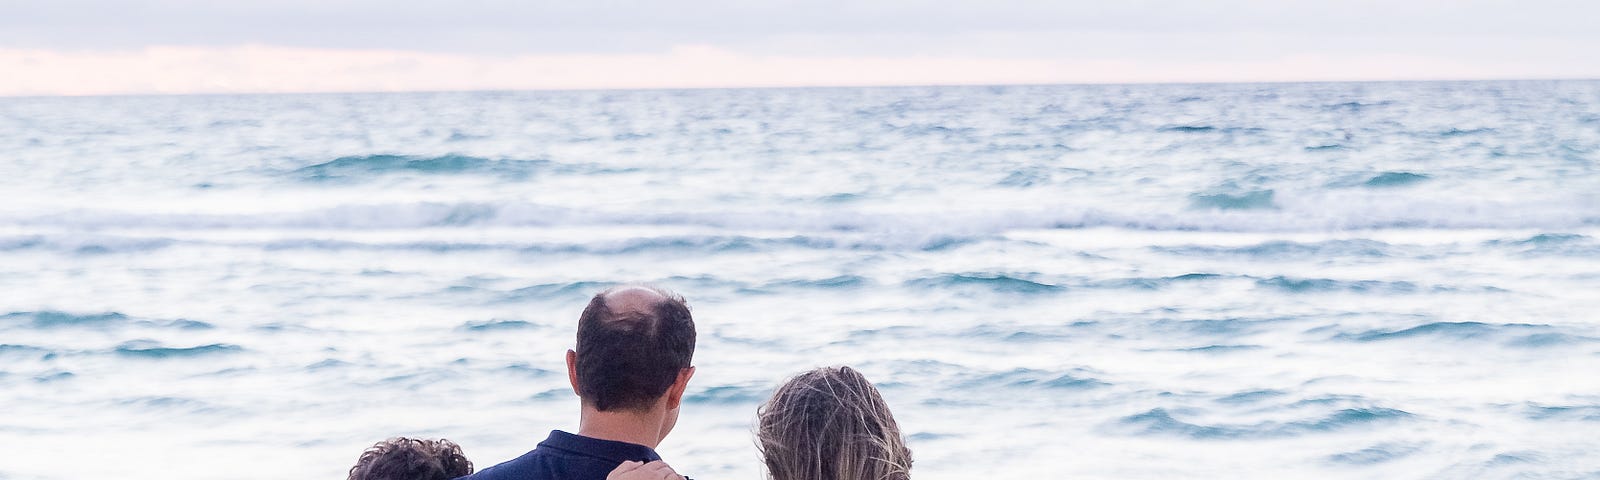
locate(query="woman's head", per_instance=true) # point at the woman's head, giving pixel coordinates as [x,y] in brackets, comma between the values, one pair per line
[831,424]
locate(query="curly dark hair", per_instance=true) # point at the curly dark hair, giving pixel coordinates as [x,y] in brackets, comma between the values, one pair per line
[402,458]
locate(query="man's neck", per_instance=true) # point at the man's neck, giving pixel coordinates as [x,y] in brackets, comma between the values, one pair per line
[621,426]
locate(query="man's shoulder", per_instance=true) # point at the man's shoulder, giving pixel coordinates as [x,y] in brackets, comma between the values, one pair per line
[534,465]
[553,459]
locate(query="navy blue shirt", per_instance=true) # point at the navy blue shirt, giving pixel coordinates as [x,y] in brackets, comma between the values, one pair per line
[565,456]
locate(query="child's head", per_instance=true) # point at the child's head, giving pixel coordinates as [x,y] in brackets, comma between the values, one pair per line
[402,458]
[831,424]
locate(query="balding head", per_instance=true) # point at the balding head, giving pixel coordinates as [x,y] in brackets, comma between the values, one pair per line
[633,298]
[632,342]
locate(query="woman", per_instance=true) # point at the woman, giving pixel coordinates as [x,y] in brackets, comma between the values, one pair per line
[831,424]
[825,424]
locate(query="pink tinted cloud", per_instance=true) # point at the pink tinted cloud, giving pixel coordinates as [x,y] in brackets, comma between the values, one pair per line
[273,69]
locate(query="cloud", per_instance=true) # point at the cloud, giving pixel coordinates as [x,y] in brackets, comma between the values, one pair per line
[205,46]
[646,26]
[276,69]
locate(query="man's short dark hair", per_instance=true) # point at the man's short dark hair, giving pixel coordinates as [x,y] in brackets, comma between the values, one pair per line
[627,359]
[402,458]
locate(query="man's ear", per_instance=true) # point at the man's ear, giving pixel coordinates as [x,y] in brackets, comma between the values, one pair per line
[572,371]
[675,392]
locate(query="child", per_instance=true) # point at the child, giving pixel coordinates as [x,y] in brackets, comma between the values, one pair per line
[402,458]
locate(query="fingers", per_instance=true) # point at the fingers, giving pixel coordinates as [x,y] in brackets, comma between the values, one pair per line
[656,470]
[659,470]
[622,471]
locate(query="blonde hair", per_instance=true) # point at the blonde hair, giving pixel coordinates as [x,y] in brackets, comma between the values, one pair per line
[830,424]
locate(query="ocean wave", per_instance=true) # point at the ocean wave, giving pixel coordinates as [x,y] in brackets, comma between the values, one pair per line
[730,394]
[1220,349]
[840,282]
[1255,200]
[1145,283]
[55,319]
[1521,458]
[1021,334]
[1031,378]
[1254,211]
[1355,106]
[54,376]
[151,349]
[922,130]
[1308,285]
[548,291]
[327,364]
[168,404]
[84,244]
[1025,178]
[574,291]
[554,394]
[1512,334]
[50,319]
[1584,413]
[1548,339]
[164,407]
[1463,132]
[712,243]
[1380,453]
[1395,179]
[1210,129]
[920,437]
[523,370]
[985,281]
[24,350]
[1285,250]
[1553,239]
[1251,396]
[496,325]
[426,378]
[1300,285]
[1223,327]
[1552,244]
[371,166]
[1159,421]
[715,243]
[1454,330]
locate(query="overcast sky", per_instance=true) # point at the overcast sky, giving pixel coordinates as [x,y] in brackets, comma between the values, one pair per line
[187,46]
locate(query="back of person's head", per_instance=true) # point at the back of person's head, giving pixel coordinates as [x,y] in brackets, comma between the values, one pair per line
[632,343]
[402,458]
[831,424]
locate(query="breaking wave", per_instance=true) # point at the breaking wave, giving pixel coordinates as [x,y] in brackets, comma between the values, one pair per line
[1254,212]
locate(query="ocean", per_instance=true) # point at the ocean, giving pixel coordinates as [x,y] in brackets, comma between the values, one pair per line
[1319,280]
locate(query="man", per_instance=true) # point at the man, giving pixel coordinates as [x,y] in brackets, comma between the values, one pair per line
[629,370]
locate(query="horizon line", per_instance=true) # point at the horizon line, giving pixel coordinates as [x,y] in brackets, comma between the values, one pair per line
[801,87]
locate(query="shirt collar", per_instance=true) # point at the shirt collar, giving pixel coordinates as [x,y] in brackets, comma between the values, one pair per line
[594,447]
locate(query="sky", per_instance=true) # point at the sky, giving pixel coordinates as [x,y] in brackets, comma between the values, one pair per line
[93,47]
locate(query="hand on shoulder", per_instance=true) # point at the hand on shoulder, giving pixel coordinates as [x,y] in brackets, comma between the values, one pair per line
[657,470]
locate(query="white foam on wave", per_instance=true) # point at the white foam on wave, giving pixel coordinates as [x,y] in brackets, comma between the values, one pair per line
[1320,211]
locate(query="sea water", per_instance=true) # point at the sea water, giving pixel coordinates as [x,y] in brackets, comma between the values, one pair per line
[1341,280]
